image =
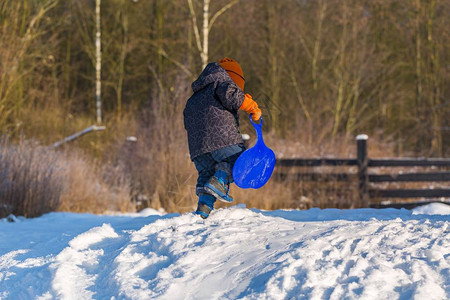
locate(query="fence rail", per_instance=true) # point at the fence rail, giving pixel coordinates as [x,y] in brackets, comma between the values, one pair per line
[413,177]
[410,162]
[410,193]
[366,179]
[316,162]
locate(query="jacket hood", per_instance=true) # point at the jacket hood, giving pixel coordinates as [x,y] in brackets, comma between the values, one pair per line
[213,72]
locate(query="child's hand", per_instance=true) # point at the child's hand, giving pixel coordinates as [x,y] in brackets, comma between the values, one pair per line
[256,114]
[251,107]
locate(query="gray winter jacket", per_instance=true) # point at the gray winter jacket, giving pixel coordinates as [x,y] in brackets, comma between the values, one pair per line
[211,113]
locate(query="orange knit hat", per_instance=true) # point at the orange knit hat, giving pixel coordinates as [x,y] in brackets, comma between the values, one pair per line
[234,70]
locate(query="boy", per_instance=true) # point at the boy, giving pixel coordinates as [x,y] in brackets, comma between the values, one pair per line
[212,124]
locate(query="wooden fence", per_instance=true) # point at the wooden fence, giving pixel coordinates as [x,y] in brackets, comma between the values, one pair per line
[367,180]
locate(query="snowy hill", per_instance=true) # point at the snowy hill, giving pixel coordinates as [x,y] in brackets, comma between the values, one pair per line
[235,254]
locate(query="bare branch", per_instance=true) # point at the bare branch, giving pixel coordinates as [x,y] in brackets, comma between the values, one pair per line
[78,134]
[175,62]
[221,11]
[299,96]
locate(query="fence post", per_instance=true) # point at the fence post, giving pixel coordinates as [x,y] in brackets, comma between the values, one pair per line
[363,177]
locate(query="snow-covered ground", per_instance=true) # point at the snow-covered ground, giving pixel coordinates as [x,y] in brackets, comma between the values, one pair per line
[235,254]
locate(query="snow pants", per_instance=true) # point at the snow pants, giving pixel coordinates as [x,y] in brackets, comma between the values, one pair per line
[223,159]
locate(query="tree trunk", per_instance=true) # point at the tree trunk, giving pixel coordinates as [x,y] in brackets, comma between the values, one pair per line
[436,139]
[205,31]
[98,62]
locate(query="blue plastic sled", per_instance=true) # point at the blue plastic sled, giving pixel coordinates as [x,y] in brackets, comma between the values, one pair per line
[254,166]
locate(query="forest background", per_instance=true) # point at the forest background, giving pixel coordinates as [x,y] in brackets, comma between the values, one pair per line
[322,71]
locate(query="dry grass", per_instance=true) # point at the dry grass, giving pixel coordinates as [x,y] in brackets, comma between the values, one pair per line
[35,180]
[94,189]
[158,163]
[30,182]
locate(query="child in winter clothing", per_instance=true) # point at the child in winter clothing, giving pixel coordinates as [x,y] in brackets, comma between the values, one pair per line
[212,124]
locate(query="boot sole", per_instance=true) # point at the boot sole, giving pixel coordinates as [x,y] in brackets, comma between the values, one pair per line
[201,214]
[203,210]
[216,194]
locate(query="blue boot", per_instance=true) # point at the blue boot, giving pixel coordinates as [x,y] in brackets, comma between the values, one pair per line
[205,205]
[219,186]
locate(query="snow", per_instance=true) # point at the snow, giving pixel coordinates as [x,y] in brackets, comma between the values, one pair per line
[433,209]
[237,253]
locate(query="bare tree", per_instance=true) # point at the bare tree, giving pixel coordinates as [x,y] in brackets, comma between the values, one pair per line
[203,41]
[16,57]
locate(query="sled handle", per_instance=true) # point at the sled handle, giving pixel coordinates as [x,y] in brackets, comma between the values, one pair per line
[258,128]
[256,124]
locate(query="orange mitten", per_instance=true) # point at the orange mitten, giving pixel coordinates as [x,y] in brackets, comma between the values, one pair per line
[251,107]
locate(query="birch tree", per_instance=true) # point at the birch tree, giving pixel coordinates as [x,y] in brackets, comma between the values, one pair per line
[98,62]
[207,23]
